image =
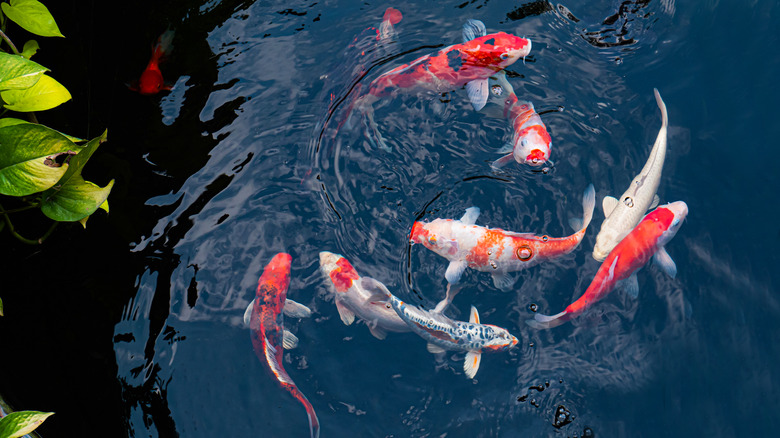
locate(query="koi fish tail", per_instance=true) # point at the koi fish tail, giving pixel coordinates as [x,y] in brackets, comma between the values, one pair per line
[164,45]
[588,205]
[662,107]
[314,422]
[543,322]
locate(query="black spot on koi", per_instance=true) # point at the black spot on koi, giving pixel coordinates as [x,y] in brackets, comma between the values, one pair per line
[490,42]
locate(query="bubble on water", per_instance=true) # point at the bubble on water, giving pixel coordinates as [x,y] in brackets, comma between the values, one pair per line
[562,417]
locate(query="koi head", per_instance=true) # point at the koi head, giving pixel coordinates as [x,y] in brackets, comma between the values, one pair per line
[532,145]
[151,82]
[496,50]
[672,219]
[500,341]
[435,235]
[338,270]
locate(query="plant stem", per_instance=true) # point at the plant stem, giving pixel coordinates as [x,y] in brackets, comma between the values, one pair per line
[8,40]
[22,238]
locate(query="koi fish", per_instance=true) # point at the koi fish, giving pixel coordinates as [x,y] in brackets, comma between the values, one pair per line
[351,294]
[531,142]
[621,216]
[494,250]
[470,63]
[646,240]
[266,324]
[443,333]
[151,81]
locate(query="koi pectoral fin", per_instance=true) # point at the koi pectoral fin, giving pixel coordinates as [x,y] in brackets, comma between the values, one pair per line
[455,271]
[248,313]
[665,262]
[503,161]
[289,340]
[294,309]
[630,285]
[473,29]
[435,349]
[478,92]
[503,281]
[471,364]
[347,316]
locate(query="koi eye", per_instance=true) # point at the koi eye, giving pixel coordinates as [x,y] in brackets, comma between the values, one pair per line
[504,56]
[524,107]
[545,238]
[675,222]
[432,240]
[524,253]
[629,201]
[523,142]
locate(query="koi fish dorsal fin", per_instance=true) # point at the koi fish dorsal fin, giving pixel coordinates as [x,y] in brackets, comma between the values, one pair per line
[471,215]
[473,29]
[608,205]
[474,316]
[248,313]
[471,364]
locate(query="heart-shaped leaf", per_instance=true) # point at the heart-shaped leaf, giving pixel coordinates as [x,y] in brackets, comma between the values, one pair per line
[10,121]
[26,158]
[17,73]
[33,17]
[21,423]
[30,48]
[73,199]
[46,94]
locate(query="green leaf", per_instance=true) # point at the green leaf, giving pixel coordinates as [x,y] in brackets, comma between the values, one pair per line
[47,93]
[17,73]
[30,48]
[1,304]
[73,199]
[10,121]
[20,423]
[27,153]
[33,17]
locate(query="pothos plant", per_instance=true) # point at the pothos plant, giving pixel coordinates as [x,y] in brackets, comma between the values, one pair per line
[40,168]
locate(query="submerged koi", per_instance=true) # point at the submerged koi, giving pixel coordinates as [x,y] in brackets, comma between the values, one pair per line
[266,325]
[646,240]
[531,142]
[470,63]
[151,81]
[494,250]
[351,293]
[443,333]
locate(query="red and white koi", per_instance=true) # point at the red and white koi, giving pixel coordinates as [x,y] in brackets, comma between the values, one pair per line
[470,63]
[443,333]
[494,250]
[531,143]
[266,325]
[351,293]
[646,240]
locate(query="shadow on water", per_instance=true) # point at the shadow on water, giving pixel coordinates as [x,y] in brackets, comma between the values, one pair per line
[251,154]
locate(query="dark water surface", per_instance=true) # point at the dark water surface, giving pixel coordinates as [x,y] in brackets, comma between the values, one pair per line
[132,327]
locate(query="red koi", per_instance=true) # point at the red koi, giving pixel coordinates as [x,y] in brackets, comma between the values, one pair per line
[151,81]
[266,325]
[531,142]
[646,240]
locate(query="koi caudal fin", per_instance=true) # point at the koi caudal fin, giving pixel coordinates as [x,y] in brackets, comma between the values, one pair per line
[164,44]
[588,205]
[542,322]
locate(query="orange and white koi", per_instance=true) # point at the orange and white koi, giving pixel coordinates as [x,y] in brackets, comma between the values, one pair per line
[267,329]
[443,333]
[470,63]
[494,250]
[646,240]
[351,293]
[151,81]
[531,143]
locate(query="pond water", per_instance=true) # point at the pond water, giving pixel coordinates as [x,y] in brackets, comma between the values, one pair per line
[133,327]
